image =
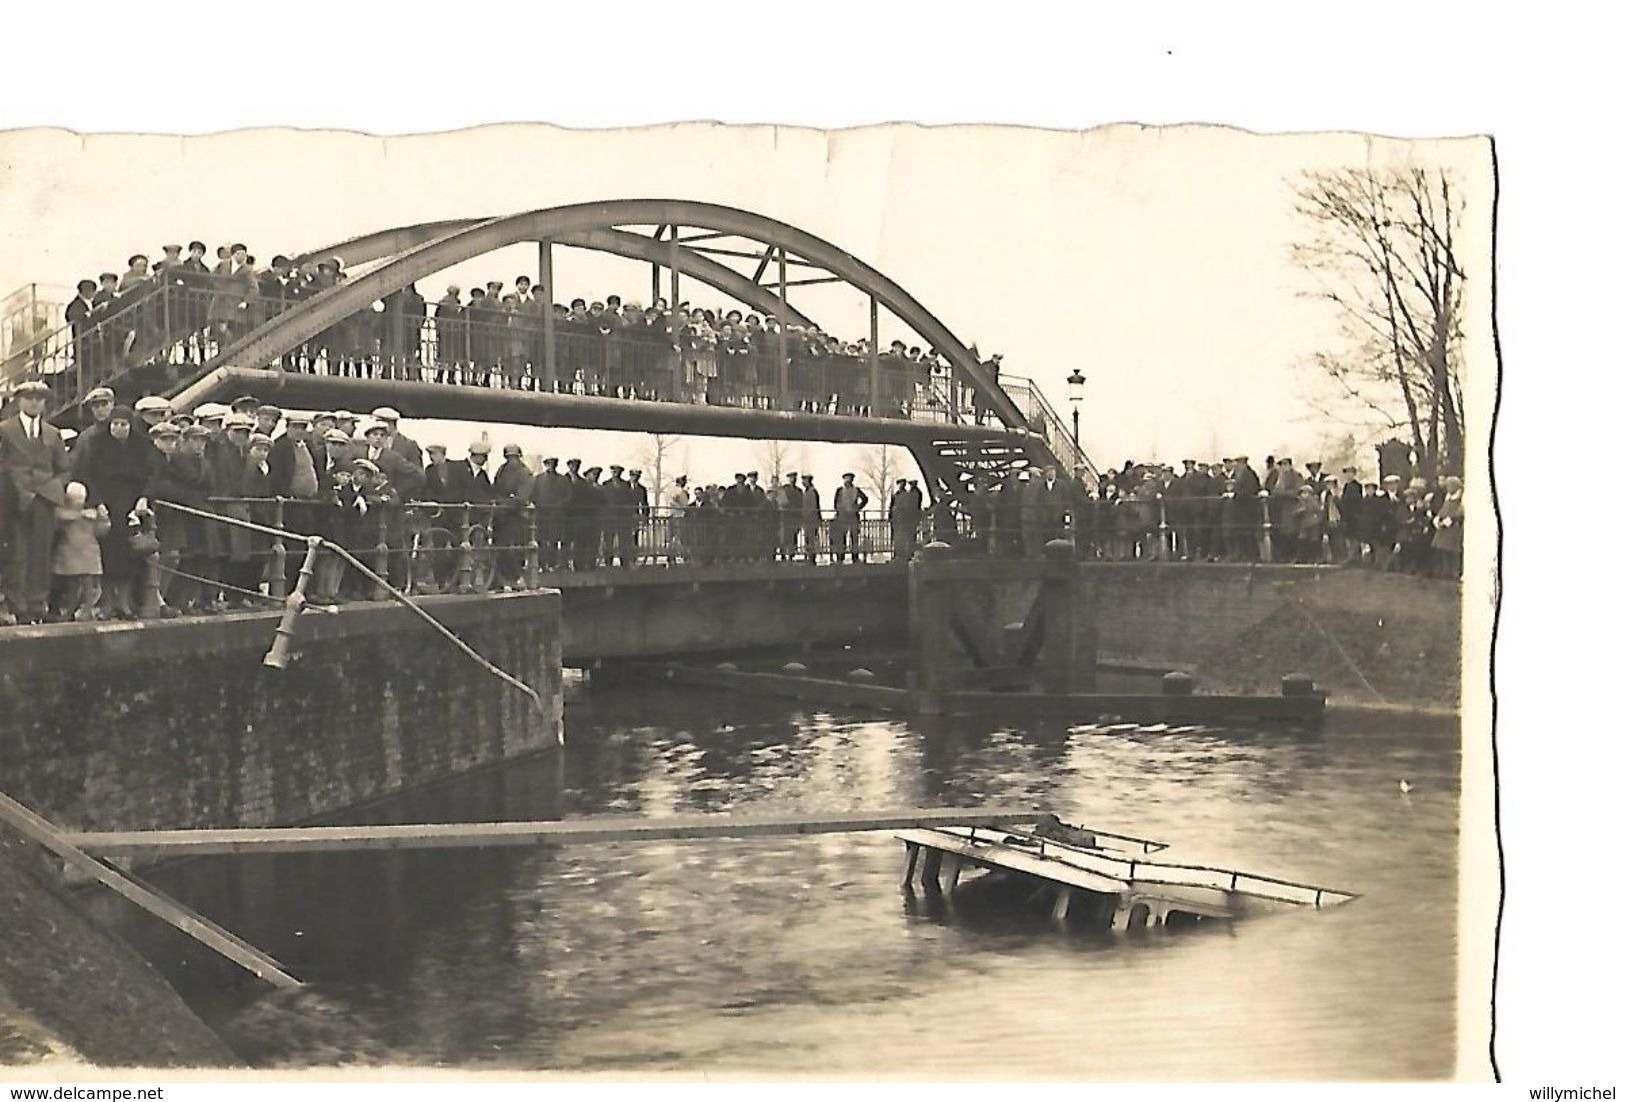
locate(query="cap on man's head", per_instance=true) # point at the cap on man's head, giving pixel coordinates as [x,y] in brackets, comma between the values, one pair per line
[298,418]
[479,447]
[364,465]
[97,394]
[151,404]
[433,448]
[334,436]
[369,426]
[1392,478]
[211,411]
[616,467]
[269,410]
[385,413]
[196,430]
[33,388]
[635,473]
[198,245]
[244,401]
[259,440]
[238,421]
[344,415]
[849,474]
[550,461]
[510,451]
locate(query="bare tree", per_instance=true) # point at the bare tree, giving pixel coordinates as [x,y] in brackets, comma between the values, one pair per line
[1381,246]
[655,457]
[773,454]
[881,467]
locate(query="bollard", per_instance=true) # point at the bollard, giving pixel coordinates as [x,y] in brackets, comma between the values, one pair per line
[1266,550]
[152,602]
[1177,683]
[860,675]
[1297,684]
[794,668]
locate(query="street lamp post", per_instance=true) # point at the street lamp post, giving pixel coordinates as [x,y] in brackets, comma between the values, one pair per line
[1074,391]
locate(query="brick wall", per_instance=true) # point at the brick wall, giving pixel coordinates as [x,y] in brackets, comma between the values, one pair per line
[179,724]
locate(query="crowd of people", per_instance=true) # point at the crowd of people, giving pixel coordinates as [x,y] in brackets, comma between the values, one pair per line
[88,513]
[1225,511]
[83,514]
[184,306]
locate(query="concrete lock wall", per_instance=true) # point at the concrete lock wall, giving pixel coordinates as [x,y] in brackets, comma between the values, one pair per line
[722,609]
[179,724]
[1359,632]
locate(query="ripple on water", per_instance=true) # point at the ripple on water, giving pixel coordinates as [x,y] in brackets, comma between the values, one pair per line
[801,954]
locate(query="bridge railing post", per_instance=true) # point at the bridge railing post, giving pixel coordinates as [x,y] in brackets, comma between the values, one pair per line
[1266,550]
[279,552]
[1165,549]
[380,553]
[533,548]
[465,549]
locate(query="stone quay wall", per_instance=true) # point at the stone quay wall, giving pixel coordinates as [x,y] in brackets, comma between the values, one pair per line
[180,724]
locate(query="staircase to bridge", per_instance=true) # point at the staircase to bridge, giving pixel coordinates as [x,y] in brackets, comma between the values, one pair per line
[199,336]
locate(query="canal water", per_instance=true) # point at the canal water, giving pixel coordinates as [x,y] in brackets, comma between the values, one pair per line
[804,956]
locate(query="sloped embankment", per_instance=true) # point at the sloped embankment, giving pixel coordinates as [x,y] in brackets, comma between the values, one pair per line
[69,989]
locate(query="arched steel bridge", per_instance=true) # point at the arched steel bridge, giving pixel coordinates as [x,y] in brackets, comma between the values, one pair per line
[679,239]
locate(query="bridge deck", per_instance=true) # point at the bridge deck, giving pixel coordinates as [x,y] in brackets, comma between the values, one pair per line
[299,390]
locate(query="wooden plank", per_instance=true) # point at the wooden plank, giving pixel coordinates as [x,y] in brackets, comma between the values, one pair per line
[176,843]
[150,899]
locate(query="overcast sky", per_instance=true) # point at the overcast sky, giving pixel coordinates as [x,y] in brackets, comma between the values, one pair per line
[1154,260]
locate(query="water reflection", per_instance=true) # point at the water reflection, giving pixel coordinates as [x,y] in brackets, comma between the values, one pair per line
[802,954]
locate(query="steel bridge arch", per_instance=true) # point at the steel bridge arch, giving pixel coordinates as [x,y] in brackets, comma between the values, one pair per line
[632,246]
[420,251]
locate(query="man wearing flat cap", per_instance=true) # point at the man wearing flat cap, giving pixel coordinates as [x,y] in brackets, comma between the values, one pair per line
[411,486]
[850,501]
[33,483]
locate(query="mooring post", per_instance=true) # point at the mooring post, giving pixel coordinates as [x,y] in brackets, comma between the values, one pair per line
[930,616]
[1057,665]
[151,597]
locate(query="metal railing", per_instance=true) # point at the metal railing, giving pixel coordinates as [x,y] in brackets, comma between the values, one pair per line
[170,325]
[1138,871]
[476,547]
[174,322]
[1048,424]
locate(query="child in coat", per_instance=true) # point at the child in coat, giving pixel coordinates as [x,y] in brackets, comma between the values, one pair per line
[77,557]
